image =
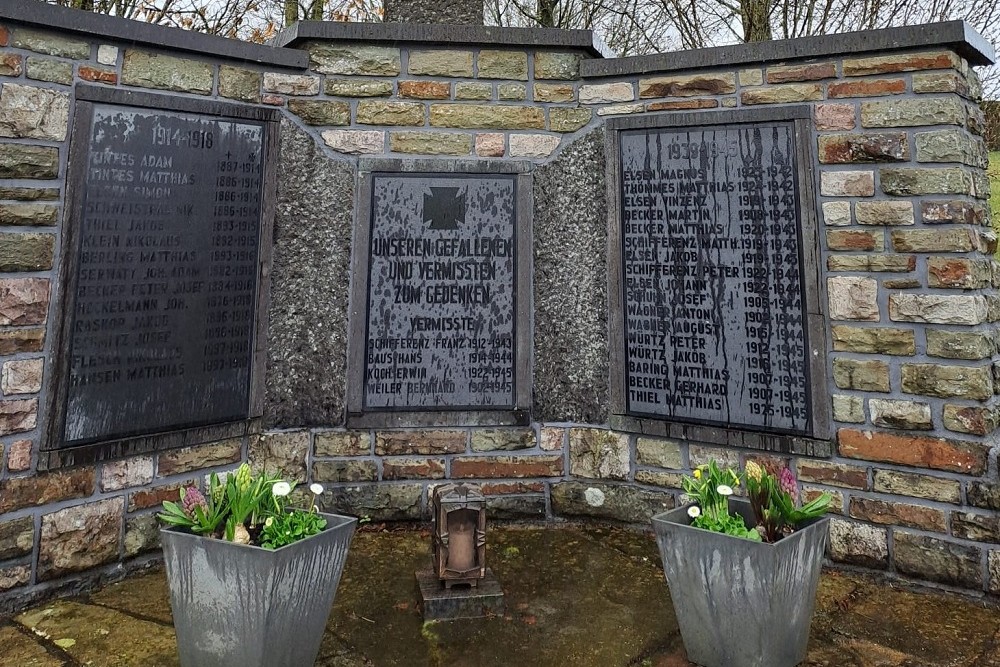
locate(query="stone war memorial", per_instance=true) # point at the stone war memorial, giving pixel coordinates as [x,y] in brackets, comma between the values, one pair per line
[385,257]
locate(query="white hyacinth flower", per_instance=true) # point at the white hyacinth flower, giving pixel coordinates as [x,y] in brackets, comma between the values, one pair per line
[281,489]
[724,490]
[694,511]
[316,489]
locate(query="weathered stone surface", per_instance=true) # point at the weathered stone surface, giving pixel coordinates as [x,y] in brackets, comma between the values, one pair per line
[937,308]
[836,213]
[855,148]
[390,113]
[659,453]
[97,74]
[281,453]
[853,298]
[604,93]
[352,470]
[342,443]
[26,252]
[153,70]
[508,488]
[503,65]
[959,273]
[861,375]
[409,468]
[568,120]
[11,64]
[142,534]
[425,90]
[620,109]
[493,440]
[871,340]
[970,419]
[910,415]
[28,112]
[324,112]
[700,455]
[186,459]
[554,65]
[848,408]
[28,194]
[154,496]
[913,113]
[18,416]
[29,215]
[551,439]
[107,54]
[311,267]
[970,382]
[870,88]
[79,538]
[978,527]
[598,454]
[430,143]
[24,301]
[238,83]
[605,501]
[12,577]
[389,443]
[440,62]
[118,475]
[19,455]
[858,544]
[681,105]
[669,480]
[918,486]
[22,376]
[533,145]
[835,116]
[507,508]
[950,146]
[50,44]
[488,117]
[783,94]
[473,90]
[355,142]
[329,58]
[492,467]
[491,144]
[358,88]
[511,91]
[906,62]
[47,69]
[809,72]
[984,494]
[941,82]
[937,560]
[17,538]
[834,474]
[22,161]
[847,183]
[751,77]
[291,84]
[553,92]
[908,181]
[882,512]
[914,450]
[889,212]
[381,502]
[693,85]
[570,285]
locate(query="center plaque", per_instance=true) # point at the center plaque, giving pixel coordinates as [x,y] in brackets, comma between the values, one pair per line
[440,321]
[714,302]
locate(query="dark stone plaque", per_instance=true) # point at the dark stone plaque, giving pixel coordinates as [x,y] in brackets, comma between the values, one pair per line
[164,295]
[440,312]
[714,308]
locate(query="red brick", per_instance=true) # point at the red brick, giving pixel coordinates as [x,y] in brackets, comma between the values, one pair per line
[898,514]
[682,104]
[19,492]
[834,116]
[801,73]
[867,88]
[849,240]
[834,474]
[4,36]
[273,100]
[892,64]
[389,443]
[913,450]
[425,90]
[154,497]
[505,488]
[413,469]
[492,467]
[99,75]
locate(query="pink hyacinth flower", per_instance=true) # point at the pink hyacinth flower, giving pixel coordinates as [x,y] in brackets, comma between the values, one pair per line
[787,481]
[193,498]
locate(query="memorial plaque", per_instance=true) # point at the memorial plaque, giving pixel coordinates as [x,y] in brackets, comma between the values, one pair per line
[164,294]
[714,308]
[441,284]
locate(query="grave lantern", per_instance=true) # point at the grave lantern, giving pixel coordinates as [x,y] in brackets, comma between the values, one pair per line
[459,534]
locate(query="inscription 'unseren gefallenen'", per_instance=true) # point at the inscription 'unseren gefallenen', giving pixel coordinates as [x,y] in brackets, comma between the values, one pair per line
[440,318]
[713,300]
[165,289]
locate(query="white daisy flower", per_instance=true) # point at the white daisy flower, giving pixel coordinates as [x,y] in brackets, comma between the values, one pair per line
[316,489]
[724,490]
[281,489]
[694,511]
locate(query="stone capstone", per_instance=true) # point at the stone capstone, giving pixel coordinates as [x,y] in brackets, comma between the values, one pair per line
[606,501]
[79,538]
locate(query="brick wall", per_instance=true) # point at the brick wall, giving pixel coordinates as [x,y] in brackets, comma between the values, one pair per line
[907,270]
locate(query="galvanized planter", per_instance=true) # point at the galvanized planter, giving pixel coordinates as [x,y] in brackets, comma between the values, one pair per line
[241,606]
[741,603]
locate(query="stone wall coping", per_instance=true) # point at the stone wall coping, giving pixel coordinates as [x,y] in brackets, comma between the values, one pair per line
[100,27]
[956,35]
[480,35]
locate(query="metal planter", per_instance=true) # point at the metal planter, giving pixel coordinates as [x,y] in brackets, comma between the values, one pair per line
[239,606]
[741,603]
